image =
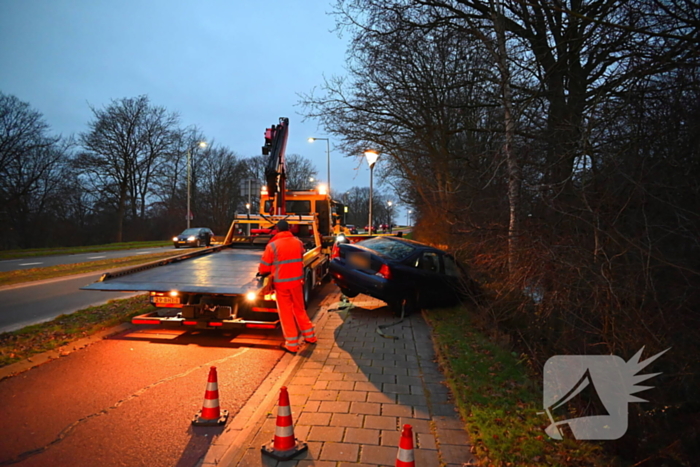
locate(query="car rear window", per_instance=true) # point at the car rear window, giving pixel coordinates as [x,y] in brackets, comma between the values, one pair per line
[393,249]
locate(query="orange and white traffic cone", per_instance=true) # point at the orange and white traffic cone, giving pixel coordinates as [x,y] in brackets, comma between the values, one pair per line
[211,414]
[284,446]
[404,458]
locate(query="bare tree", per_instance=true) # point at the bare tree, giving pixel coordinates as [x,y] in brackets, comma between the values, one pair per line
[126,141]
[32,169]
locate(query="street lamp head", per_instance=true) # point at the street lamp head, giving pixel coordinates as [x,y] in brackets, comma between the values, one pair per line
[202,144]
[372,157]
[389,203]
[312,139]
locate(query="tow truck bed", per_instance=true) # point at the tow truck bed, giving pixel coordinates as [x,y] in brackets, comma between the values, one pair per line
[223,271]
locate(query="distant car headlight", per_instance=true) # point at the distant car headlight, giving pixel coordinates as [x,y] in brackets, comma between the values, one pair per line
[174,239]
[191,238]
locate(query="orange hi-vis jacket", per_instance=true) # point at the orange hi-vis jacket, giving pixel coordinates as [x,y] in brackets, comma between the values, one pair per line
[284,259]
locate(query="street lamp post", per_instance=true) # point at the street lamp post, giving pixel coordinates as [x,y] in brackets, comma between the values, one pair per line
[201,144]
[389,204]
[408,220]
[372,157]
[328,157]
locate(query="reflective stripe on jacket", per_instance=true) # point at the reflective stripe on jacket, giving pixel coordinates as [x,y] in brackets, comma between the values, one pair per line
[284,259]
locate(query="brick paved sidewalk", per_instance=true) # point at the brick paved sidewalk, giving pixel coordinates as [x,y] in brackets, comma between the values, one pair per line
[353,391]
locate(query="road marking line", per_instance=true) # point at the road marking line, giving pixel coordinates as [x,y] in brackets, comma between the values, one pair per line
[29,264]
[96,257]
[144,253]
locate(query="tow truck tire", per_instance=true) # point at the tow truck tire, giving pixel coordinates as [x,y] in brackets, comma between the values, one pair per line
[308,286]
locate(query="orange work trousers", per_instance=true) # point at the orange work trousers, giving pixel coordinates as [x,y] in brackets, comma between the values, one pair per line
[296,324]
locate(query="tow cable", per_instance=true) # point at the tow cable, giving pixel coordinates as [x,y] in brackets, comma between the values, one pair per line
[384,326]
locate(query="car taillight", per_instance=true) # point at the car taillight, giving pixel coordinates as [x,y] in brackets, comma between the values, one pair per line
[384,271]
[335,253]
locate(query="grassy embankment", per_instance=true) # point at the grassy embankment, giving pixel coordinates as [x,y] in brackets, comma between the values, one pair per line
[24,343]
[499,398]
[36,274]
[34,252]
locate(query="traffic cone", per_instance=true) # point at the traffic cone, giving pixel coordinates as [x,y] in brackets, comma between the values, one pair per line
[284,446]
[404,458]
[211,415]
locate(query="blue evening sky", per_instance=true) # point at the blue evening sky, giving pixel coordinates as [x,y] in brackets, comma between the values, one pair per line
[231,67]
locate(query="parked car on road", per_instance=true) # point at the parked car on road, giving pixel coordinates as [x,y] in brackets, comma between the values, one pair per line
[374,229]
[351,228]
[196,236]
[403,273]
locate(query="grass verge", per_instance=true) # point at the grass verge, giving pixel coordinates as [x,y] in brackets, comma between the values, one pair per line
[498,399]
[31,340]
[37,274]
[30,253]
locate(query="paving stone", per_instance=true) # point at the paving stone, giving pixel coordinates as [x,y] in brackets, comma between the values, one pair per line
[449,422]
[392,370]
[326,433]
[421,412]
[426,441]
[446,436]
[443,409]
[324,395]
[456,454]
[365,386]
[419,426]
[341,385]
[367,408]
[390,438]
[361,436]
[347,420]
[313,419]
[409,380]
[412,399]
[334,406]
[427,457]
[355,377]
[388,379]
[330,376]
[396,410]
[381,398]
[380,422]
[393,388]
[339,452]
[355,396]
[382,455]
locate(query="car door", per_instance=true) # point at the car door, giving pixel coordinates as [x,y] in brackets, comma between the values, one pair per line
[428,269]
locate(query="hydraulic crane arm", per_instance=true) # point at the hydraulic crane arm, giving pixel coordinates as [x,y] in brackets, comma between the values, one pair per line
[276,169]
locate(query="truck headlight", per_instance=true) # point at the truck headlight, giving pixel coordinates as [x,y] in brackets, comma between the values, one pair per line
[251,296]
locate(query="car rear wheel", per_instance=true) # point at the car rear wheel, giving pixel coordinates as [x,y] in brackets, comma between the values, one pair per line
[348,293]
[408,304]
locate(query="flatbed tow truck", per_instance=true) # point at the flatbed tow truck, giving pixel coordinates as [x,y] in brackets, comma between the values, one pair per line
[218,287]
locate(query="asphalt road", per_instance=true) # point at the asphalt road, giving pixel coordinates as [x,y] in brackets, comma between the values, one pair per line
[35,302]
[128,400]
[48,261]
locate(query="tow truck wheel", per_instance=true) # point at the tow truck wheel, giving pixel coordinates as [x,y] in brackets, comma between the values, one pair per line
[307,288]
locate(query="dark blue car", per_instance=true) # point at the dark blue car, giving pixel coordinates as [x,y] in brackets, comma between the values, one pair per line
[407,275]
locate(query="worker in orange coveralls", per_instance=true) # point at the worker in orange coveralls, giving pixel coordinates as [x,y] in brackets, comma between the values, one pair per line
[283,259]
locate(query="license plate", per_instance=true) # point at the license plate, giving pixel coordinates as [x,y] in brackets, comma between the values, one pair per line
[359,261]
[167,300]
